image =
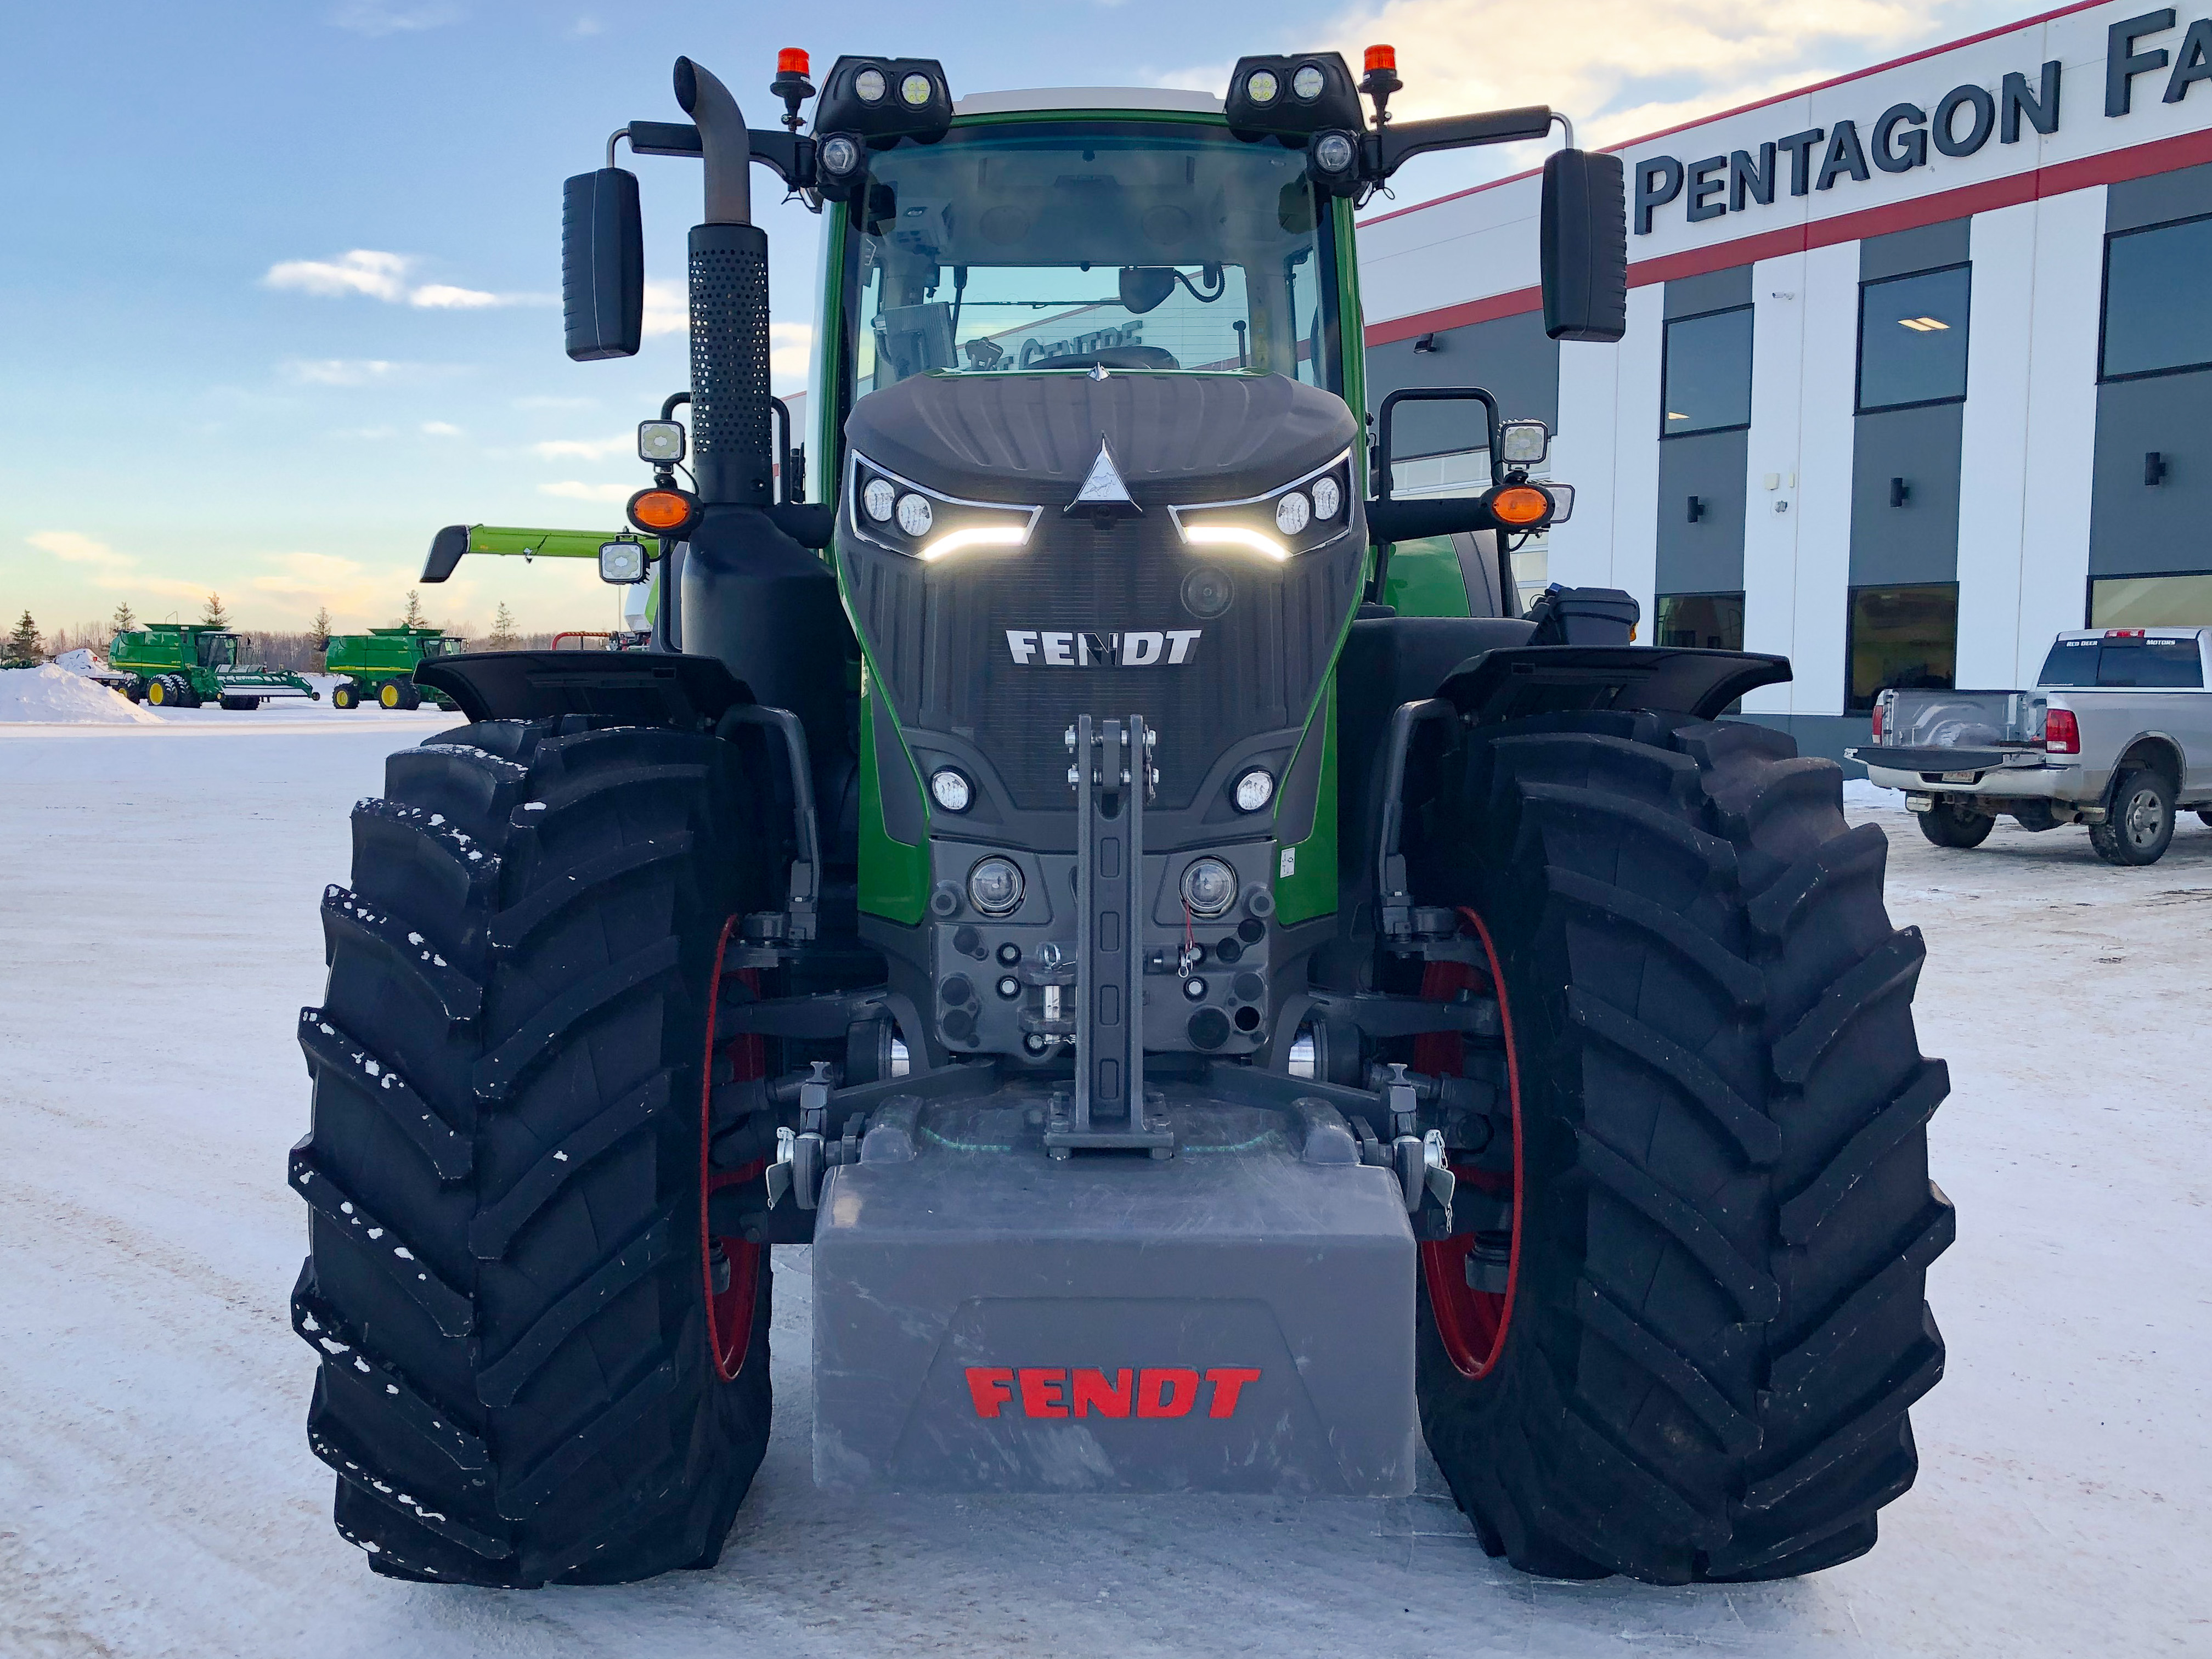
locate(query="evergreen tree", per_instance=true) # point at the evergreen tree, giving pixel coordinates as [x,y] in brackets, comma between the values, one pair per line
[504,633]
[125,618]
[319,634]
[24,649]
[215,615]
[413,618]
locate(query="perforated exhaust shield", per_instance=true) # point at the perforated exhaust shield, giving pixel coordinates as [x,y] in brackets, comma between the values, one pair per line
[729,364]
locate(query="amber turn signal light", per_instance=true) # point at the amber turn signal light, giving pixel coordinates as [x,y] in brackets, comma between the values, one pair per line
[1520,506]
[664,511]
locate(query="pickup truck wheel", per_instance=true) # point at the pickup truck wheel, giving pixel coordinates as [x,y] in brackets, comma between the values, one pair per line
[1711,1320]
[2140,826]
[532,1371]
[1955,826]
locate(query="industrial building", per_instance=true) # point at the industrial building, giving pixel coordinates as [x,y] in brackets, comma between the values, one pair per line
[1918,369]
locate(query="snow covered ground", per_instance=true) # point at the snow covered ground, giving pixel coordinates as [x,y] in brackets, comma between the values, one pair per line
[157,1496]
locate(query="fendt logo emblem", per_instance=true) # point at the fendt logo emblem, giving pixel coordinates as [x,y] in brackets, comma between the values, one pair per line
[1082,1391]
[1136,649]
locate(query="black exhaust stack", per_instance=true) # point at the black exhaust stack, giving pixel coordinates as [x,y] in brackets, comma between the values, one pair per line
[729,305]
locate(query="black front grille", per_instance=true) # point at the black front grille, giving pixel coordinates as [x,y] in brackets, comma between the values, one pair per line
[938,637]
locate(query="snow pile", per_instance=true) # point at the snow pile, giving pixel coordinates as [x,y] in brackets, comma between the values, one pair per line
[80,661]
[47,696]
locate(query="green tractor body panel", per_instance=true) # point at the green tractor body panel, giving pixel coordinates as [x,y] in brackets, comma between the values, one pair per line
[367,661]
[202,662]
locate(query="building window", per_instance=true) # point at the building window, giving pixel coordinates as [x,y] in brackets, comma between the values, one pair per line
[1903,637]
[2158,307]
[1706,622]
[1913,339]
[1707,377]
[2151,601]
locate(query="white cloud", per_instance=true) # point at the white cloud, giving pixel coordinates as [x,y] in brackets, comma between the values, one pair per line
[72,547]
[363,270]
[343,585]
[570,490]
[790,349]
[440,429]
[376,17]
[586,449]
[667,306]
[382,275]
[348,371]
[1614,65]
[112,570]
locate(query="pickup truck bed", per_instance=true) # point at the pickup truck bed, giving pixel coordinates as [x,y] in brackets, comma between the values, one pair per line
[2117,736]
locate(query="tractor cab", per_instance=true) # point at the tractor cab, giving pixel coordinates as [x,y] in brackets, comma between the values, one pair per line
[215,650]
[1034,240]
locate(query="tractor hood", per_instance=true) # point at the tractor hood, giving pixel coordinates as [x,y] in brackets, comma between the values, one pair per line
[1033,437]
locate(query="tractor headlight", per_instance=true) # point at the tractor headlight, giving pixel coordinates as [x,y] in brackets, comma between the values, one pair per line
[995,886]
[1209,887]
[1306,513]
[622,562]
[950,788]
[1255,790]
[915,89]
[839,154]
[1263,86]
[661,442]
[869,83]
[1333,153]
[897,514]
[1307,83]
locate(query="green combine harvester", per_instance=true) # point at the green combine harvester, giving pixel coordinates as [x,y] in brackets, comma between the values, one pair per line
[380,666]
[1219,1029]
[184,665]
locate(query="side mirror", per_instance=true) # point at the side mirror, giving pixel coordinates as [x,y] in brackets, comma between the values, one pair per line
[1143,287]
[602,264]
[1584,244]
[622,562]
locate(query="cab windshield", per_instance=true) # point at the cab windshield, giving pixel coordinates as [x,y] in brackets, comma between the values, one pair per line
[1064,245]
[218,650]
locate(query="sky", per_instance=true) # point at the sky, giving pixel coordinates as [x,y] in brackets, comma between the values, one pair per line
[278,280]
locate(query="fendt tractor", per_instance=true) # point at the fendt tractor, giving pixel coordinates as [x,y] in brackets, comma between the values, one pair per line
[1217,1030]
[184,665]
[380,666]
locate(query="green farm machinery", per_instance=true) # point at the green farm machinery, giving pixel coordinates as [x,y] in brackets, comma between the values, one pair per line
[380,666]
[185,664]
[1217,1028]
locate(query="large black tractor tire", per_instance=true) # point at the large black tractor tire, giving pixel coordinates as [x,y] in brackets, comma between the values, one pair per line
[506,1281]
[1949,826]
[342,695]
[1717,1321]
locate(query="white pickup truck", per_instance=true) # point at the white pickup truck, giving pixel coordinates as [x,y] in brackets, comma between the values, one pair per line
[2116,735]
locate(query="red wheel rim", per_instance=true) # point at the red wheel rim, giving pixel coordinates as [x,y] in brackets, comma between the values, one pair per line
[729,1312]
[1472,1324]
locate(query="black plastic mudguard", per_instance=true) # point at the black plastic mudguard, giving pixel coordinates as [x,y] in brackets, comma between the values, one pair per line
[1515,681]
[629,688]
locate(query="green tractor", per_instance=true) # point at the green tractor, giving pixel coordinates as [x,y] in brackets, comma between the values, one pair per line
[380,666]
[1217,1031]
[184,665]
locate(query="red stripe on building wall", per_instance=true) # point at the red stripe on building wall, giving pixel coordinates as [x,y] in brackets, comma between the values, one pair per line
[2114,166]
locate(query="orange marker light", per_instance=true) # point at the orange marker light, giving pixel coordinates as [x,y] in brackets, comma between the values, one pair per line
[662,510]
[1519,504]
[792,60]
[1382,58]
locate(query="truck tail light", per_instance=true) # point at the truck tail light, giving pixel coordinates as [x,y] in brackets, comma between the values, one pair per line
[1880,708]
[2061,732]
